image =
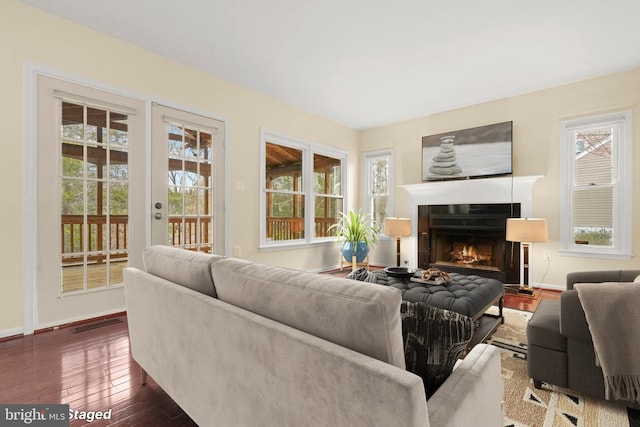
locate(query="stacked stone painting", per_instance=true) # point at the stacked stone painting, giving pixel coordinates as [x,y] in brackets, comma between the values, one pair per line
[469,153]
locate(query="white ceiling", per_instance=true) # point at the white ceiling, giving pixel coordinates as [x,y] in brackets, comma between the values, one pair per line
[366,63]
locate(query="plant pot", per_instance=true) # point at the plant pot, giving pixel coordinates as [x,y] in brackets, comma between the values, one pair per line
[361,251]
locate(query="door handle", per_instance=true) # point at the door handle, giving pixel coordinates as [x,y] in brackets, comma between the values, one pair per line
[158,205]
[158,215]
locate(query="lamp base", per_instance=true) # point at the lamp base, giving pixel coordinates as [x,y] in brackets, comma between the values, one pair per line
[518,289]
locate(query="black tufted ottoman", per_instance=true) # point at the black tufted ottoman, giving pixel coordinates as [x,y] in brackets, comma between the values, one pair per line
[469,295]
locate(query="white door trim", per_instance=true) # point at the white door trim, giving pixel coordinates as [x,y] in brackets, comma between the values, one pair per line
[31,73]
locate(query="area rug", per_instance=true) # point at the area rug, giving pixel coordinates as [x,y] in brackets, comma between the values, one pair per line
[526,406]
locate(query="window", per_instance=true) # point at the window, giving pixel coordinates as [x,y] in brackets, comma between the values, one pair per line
[596,196]
[302,190]
[379,184]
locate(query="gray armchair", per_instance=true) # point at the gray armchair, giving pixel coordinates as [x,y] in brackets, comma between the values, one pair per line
[560,348]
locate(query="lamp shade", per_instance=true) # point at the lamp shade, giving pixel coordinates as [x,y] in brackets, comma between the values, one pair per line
[398,227]
[528,230]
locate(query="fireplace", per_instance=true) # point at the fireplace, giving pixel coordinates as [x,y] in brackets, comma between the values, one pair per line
[469,239]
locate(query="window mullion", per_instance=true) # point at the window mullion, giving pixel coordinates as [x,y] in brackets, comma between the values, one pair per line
[309,196]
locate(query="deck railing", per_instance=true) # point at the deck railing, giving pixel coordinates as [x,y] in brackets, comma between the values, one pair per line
[73,235]
[187,231]
[187,234]
[292,228]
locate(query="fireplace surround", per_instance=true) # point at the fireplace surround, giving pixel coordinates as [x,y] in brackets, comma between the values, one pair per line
[485,191]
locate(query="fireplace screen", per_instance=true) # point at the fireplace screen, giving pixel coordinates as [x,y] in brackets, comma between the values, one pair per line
[468,239]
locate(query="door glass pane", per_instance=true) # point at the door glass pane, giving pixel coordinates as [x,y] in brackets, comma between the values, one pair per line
[190,165]
[96,125]
[118,136]
[94,197]
[72,161]
[118,165]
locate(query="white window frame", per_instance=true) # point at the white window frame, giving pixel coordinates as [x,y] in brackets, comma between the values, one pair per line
[621,182]
[308,150]
[369,158]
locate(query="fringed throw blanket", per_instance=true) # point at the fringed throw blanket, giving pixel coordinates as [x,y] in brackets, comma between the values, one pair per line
[363,275]
[434,339]
[613,317]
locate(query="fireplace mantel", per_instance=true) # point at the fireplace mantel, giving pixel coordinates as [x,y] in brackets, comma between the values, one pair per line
[469,191]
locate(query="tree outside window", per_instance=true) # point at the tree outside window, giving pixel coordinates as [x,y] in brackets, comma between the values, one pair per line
[378,167]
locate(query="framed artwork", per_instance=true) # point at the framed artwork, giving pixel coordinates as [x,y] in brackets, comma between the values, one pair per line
[468,153]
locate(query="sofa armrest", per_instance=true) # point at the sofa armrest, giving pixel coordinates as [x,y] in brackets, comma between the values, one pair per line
[473,393]
[573,322]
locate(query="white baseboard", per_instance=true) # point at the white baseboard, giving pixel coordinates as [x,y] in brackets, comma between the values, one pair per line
[11,332]
[57,323]
[550,286]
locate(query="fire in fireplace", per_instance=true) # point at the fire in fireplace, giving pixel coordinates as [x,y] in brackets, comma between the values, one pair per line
[472,255]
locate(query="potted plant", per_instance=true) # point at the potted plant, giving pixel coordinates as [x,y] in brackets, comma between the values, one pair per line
[357,233]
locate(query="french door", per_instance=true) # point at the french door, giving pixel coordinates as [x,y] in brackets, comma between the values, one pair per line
[106,188]
[187,186]
[89,194]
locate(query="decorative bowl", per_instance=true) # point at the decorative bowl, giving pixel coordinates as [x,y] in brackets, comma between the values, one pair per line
[401,272]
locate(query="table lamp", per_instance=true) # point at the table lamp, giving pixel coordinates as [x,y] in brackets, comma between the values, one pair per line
[526,231]
[399,228]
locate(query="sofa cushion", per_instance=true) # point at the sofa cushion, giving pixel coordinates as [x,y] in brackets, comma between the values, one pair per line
[361,316]
[434,339]
[187,268]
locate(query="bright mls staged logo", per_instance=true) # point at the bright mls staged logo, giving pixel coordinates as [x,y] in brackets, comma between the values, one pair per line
[34,415]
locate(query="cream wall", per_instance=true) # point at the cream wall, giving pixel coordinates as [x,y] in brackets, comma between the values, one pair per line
[31,38]
[536,148]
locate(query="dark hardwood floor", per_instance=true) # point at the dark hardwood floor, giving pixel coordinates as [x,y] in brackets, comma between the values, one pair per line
[93,371]
[529,303]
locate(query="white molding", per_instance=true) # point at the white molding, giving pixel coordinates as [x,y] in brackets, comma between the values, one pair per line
[30,222]
[471,191]
[549,286]
[11,332]
[91,316]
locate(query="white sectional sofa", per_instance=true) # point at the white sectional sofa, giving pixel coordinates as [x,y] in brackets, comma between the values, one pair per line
[236,343]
